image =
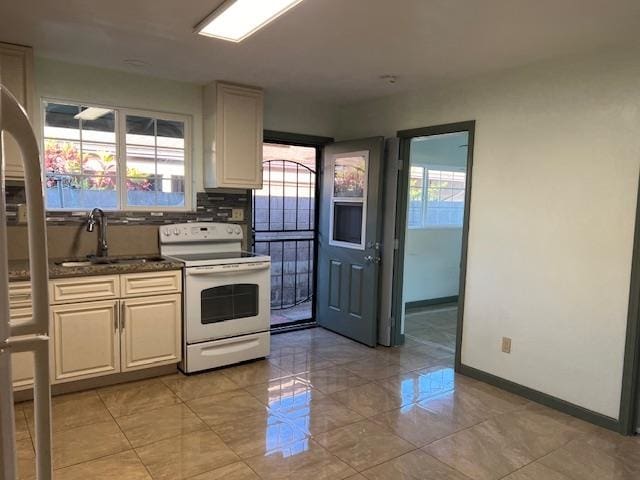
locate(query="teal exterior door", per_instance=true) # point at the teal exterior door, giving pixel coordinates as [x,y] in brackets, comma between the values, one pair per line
[349,249]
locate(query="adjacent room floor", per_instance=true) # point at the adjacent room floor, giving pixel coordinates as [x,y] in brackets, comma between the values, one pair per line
[297,313]
[323,407]
[434,325]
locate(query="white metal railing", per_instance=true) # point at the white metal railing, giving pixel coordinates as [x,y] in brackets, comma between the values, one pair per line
[32,335]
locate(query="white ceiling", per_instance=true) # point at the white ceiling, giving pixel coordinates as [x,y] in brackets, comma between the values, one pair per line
[331,50]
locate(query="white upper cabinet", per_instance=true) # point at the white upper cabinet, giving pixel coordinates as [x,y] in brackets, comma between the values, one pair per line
[16,73]
[233,123]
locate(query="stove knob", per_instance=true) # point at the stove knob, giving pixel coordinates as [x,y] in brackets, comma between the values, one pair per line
[176,231]
[229,229]
[166,233]
[238,230]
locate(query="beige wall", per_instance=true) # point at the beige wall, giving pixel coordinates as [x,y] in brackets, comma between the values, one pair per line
[556,162]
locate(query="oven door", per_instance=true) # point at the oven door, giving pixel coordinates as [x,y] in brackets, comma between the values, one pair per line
[226,300]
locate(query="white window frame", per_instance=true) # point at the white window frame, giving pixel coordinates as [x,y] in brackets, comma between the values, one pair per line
[121,152]
[355,200]
[424,202]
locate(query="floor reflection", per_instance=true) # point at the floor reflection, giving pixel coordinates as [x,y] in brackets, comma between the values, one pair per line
[289,401]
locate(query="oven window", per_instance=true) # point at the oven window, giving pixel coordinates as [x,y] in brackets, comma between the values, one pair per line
[229,302]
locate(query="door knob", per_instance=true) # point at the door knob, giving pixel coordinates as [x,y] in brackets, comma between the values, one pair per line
[371,259]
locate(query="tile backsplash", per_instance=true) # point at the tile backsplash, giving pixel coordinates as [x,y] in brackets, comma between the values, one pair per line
[129,232]
[212,206]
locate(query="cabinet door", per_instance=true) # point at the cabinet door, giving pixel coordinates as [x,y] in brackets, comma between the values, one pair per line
[150,331]
[22,362]
[86,340]
[16,66]
[239,136]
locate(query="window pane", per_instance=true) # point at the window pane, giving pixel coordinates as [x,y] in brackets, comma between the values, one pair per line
[99,159]
[155,162]
[170,163]
[141,161]
[140,126]
[347,222]
[349,177]
[61,122]
[445,198]
[80,157]
[98,124]
[141,191]
[171,191]
[61,157]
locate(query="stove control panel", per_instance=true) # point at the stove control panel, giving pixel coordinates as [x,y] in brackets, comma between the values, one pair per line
[200,232]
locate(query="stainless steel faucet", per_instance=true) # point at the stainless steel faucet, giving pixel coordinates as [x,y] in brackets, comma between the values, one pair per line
[103,249]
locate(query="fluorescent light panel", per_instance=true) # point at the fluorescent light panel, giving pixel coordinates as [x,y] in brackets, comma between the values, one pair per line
[92,113]
[235,20]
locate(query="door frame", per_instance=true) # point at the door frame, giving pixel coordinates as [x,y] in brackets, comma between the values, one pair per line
[397,337]
[629,417]
[300,140]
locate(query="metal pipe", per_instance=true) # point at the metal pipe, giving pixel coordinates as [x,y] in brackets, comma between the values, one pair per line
[16,122]
[103,248]
[7,418]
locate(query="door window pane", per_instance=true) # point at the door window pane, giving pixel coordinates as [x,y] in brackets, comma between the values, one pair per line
[349,177]
[347,222]
[348,199]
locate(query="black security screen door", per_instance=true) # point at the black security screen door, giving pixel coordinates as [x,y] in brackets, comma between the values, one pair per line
[284,223]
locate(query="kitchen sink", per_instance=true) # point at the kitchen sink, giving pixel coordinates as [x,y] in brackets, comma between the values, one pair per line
[74,264]
[93,260]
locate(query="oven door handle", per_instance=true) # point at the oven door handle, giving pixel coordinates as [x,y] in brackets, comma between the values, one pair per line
[231,268]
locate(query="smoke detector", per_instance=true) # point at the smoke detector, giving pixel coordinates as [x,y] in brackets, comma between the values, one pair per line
[390,79]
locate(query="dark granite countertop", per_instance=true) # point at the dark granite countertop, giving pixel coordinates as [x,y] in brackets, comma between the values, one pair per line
[19,269]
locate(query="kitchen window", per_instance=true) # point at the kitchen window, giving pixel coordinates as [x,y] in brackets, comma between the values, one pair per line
[436,197]
[114,158]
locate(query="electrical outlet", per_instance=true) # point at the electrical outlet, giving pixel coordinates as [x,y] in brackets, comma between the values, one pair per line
[237,214]
[22,213]
[506,345]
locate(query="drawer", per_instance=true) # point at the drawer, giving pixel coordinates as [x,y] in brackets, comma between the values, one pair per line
[150,283]
[21,315]
[19,294]
[80,289]
[21,362]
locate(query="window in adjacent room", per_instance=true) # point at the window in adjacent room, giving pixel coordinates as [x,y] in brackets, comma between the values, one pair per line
[114,159]
[436,197]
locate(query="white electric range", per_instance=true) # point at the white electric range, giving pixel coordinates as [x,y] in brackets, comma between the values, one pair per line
[226,307]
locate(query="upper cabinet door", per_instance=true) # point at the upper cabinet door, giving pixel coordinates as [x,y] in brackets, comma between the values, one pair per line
[233,136]
[16,73]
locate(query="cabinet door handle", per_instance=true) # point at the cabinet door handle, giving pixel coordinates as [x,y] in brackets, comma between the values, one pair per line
[122,315]
[116,318]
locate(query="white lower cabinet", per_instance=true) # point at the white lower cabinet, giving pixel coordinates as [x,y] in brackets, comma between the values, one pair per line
[22,363]
[95,332]
[86,340]
[150,331]
[22,367]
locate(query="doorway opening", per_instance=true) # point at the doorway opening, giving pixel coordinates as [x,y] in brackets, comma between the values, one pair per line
[284,222]
[432,230]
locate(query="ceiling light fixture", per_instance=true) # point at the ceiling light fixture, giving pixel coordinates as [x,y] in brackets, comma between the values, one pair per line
[235,20]
[92,113]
